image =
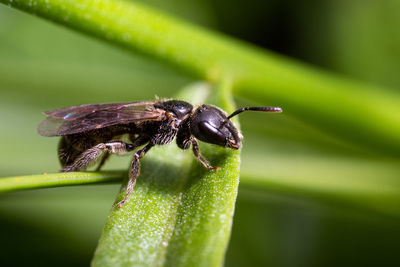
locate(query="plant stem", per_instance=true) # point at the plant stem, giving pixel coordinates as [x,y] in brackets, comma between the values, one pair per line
[16,183]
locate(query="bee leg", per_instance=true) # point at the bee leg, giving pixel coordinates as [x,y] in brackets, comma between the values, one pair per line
[139,140]
[103,160]
[134,172]
[135,143]
[183,139]
[91,155]
[196,152]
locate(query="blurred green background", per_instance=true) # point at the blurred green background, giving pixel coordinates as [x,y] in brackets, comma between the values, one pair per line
[306,198]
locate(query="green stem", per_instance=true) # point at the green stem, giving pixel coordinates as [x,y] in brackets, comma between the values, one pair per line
[16,183]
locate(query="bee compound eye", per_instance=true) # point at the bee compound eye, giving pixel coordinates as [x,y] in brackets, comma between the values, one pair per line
[210,134]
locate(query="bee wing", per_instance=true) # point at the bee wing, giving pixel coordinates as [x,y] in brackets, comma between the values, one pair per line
[83,118]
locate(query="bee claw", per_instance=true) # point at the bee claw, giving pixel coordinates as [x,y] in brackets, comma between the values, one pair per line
[120,204]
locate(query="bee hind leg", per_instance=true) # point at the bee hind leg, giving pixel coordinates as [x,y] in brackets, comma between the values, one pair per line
[91,155]
[103,160]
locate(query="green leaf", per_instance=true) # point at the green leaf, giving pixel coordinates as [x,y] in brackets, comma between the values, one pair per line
[179,213]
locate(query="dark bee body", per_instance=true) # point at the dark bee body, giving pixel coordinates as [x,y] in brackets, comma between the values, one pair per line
[71,146]
[90,133]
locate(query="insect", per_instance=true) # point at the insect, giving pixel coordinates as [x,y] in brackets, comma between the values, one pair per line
[91,133]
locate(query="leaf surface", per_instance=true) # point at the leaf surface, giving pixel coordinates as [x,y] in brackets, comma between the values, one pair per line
[180,213]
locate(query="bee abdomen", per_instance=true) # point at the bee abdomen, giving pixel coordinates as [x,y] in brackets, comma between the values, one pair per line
[67,153]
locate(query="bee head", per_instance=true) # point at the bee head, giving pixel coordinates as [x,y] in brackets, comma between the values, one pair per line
[212,125]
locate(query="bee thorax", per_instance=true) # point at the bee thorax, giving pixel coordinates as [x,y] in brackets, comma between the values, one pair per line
[165,135]
[164,138]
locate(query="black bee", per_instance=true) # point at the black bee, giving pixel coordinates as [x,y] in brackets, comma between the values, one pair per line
[91,133]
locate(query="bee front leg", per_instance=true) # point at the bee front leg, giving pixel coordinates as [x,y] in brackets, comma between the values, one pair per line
[196,152]
[91,155]
[134,172]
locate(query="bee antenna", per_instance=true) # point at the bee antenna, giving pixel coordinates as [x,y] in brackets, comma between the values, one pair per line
[262,109]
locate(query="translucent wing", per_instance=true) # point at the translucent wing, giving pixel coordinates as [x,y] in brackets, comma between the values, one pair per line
[83,118]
